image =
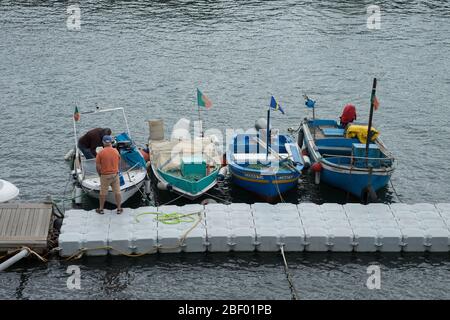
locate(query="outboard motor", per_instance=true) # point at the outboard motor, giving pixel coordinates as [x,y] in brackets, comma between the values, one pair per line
[124,145]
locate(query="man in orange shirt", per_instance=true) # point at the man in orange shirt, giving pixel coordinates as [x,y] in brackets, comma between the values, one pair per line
[107,164]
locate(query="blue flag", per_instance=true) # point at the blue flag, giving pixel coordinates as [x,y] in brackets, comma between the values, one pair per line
[274,105]
[309,103]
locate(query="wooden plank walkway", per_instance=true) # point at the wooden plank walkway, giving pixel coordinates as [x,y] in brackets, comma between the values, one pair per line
[24,224]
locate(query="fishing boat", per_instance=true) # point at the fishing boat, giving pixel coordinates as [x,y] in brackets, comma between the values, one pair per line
[8,191]
[188,167]
[347,156]
[268,176]
[265,163]
[133,169]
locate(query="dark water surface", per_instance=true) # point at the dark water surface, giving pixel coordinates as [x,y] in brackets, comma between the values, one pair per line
[149,56]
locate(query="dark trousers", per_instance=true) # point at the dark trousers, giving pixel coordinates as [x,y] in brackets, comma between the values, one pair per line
[86,151]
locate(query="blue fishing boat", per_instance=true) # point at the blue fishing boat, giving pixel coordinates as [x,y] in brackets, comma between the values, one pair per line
[344,155]
[265,163]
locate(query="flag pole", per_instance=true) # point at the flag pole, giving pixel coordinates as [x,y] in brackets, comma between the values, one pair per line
[313,111]
[268,134]
[369,129]
[314,122]
[200,120]
[75,129]
[199,115]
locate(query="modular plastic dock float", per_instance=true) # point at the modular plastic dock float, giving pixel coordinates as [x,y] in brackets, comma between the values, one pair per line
[258,227]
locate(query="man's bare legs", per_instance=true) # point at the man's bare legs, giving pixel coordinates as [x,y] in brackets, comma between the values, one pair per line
[102,201]
[118,202]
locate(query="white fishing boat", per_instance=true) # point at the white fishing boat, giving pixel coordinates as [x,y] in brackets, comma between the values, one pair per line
[133,168]
[8,191]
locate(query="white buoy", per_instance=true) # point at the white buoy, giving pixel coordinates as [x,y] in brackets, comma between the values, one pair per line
[147,186]
[317,177]
[163,186]
[69,155]
[316,168]
[306,161]
[260,124]
[8,191]
[77,195]
[223,172]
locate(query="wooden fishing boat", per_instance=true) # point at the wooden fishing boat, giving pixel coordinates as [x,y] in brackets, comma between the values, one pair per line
[267,171]
[187,167]
[265,163]
[345,157]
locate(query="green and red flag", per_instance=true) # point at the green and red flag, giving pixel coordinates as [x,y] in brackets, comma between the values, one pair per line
[76,114]
[203,100]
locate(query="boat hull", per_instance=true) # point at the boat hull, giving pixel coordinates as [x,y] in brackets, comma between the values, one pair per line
[190,190]
[356,184]
[266,173]
[133,181]
[269,187]
[8,191]
[125,193]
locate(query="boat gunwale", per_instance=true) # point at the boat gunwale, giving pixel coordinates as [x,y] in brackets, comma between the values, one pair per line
[339,168]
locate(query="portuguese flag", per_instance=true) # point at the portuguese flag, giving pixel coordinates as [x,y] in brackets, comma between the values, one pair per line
[202,100]
[76,114]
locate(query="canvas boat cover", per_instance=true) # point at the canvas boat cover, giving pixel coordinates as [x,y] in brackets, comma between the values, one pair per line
[170,153]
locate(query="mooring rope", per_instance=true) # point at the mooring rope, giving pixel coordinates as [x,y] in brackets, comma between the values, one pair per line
[30,251]
[145,196]
[218,198]
[173,200]
[279,193]
[288,276]
[395,191]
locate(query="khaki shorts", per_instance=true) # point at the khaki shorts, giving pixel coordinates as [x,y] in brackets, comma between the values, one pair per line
[107,180]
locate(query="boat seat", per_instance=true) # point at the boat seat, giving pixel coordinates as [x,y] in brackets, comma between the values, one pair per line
[292,150]
[333,132]
[255,157]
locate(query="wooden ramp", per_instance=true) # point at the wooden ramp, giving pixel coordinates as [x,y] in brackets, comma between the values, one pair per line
[24,224]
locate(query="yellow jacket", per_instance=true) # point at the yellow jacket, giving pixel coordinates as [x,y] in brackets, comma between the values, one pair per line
[360,132]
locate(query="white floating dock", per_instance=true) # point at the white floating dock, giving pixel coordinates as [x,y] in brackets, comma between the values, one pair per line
[260,227]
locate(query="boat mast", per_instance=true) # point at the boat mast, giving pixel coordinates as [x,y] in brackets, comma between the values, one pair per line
[126,122]
[75,132]
[268,134]
[369,129]
[200,121]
